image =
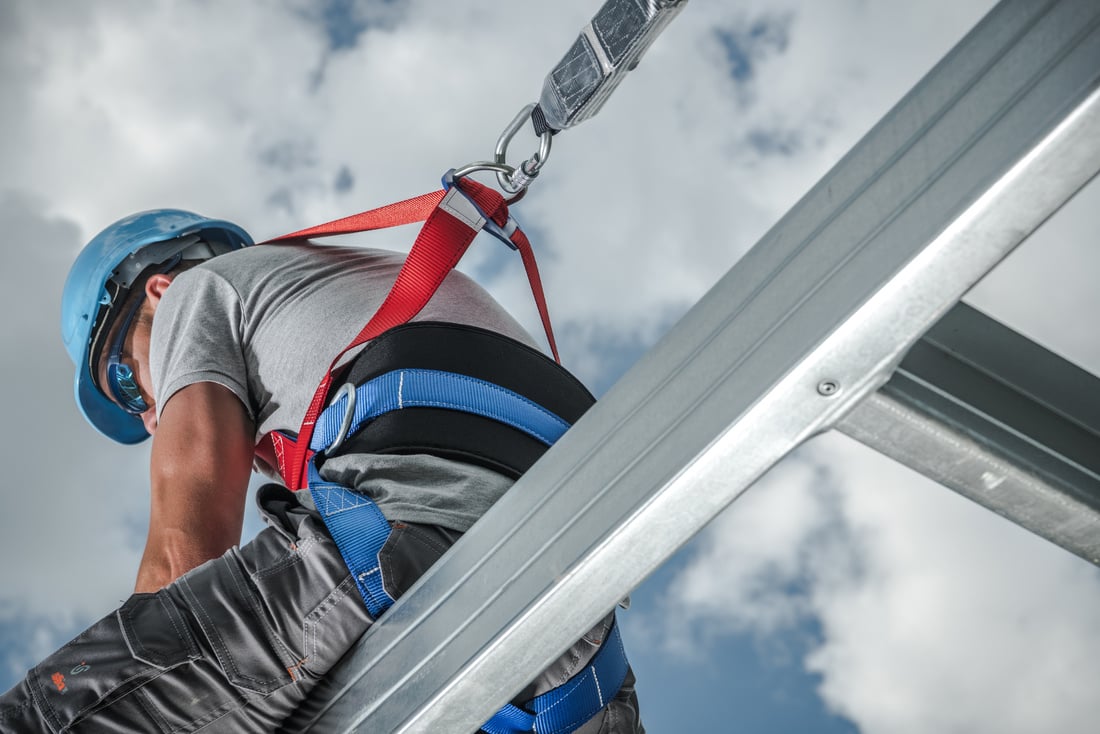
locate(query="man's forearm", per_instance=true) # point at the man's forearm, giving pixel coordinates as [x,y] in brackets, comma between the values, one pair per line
[201,464]
[172,552]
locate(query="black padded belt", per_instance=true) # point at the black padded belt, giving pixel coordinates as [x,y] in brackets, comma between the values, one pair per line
[450,434]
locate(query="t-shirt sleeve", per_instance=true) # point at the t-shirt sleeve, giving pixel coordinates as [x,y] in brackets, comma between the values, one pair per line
[197,337]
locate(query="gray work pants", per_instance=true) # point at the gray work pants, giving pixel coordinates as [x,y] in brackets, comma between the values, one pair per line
[239,643]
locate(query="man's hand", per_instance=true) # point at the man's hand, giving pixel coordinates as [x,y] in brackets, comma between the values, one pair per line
[202,459]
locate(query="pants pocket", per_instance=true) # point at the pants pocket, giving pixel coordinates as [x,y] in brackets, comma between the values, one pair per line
[309,599]
[236,626]
[155,632]
[411,550]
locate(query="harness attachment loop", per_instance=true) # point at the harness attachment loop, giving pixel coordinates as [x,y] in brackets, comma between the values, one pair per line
[499,168]
[347,391]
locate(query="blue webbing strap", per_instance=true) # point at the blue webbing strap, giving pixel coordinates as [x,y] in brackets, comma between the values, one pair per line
[360,530]
[419,388]
[563,709]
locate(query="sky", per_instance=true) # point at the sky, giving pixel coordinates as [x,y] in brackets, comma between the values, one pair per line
[843,593]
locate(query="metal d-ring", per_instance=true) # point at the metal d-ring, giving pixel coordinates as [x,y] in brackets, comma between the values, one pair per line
[349,415]
[499,168]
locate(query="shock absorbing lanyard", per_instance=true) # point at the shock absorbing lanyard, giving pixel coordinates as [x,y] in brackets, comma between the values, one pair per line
[452,219]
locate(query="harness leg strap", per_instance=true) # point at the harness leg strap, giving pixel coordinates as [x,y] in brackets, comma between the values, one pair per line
[360,531]
[564,709]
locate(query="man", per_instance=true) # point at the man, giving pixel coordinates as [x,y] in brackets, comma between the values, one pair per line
[180,330]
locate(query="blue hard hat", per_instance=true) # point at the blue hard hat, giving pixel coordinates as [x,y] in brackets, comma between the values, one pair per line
[117,255]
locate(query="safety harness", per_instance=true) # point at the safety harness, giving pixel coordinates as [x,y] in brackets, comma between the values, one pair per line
[452,391]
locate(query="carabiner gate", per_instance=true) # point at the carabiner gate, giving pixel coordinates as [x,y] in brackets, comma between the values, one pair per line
[520,177]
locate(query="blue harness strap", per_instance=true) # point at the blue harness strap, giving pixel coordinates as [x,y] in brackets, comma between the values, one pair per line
[561,710]
[418,388]
[360,530]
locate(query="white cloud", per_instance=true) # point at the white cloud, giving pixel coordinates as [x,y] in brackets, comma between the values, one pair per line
[132,106]
[935,614]
[958,621]
[762,550]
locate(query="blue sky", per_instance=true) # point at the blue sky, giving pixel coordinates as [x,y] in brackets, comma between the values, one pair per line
[841,594]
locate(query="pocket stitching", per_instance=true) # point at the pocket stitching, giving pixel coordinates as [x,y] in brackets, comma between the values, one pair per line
[226,661]
[312,622]
[294,557]
[270,637]
[138,649]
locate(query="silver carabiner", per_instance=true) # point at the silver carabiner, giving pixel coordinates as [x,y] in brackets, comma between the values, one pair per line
[519,177]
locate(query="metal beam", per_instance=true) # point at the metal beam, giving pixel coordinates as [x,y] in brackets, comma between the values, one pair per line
[810,322]
[1001,420]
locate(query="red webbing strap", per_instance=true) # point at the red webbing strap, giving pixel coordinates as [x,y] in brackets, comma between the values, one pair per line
[408,211]
[519,239]
[437,249]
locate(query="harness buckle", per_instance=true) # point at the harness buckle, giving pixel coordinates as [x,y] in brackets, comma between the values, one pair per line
[504,234]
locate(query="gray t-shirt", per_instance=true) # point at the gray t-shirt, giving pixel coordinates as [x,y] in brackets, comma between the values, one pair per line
[266,322]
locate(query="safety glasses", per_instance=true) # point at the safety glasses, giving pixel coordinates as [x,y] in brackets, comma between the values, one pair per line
[120,377]
[121,381]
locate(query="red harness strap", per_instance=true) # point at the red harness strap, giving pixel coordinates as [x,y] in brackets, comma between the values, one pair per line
[453,218]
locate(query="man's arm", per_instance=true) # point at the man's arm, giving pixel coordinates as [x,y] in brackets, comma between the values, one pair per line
[201,462]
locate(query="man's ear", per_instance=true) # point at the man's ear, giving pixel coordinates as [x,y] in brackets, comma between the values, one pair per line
[155,288]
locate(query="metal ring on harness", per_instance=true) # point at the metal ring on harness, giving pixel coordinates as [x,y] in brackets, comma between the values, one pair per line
[501,169]
[349,414]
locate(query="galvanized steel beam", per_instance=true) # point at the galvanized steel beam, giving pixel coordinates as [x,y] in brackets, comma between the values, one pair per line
[999,419]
